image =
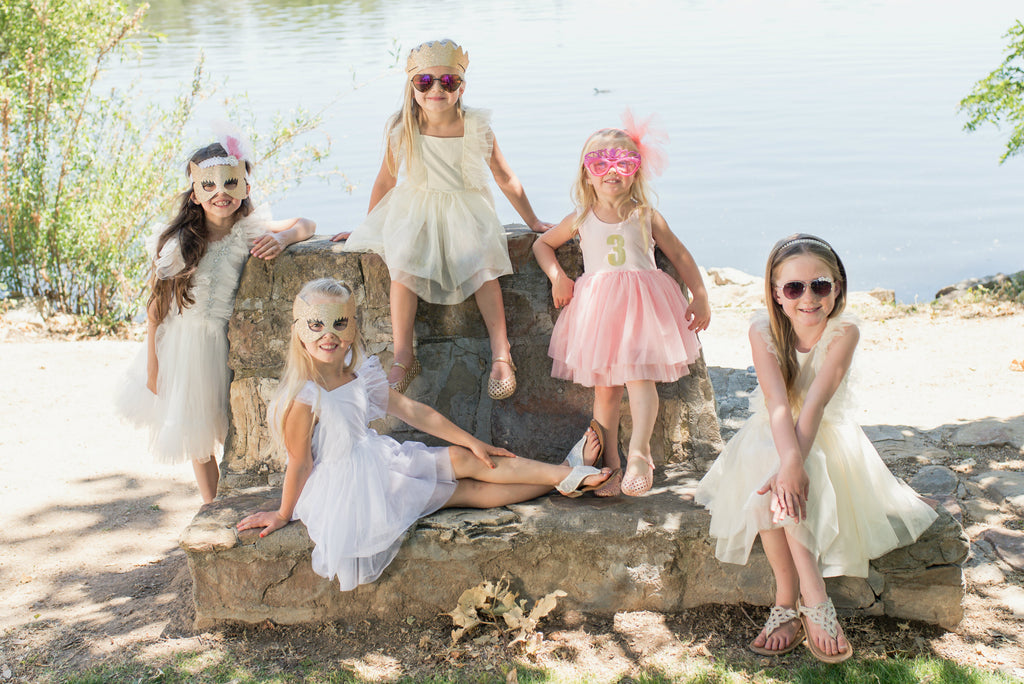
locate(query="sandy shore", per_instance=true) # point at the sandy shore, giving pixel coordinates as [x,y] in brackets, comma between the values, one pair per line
[91,525]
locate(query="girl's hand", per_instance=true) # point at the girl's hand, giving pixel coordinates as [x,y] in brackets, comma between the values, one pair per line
[541,226]
[268,520]
[561,290]
[343,235]
[268,246]
[484,451]
[699,314]
[151,383]
[789,488]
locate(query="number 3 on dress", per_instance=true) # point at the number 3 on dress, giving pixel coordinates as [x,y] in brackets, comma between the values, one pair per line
[616,257]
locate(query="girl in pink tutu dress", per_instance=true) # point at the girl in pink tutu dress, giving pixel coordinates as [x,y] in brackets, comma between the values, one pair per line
[626,323]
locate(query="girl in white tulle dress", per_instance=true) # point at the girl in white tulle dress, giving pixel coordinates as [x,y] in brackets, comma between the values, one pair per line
[357,491]
[178,385]
[801,473]
[436,228]
[626,324]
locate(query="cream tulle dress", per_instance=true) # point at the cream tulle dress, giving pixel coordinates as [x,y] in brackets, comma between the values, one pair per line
[437,229]
[856,509]
[627,318]
[365,489]
[187,418]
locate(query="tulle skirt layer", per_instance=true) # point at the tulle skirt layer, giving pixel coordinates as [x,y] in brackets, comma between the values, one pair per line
[856,509]
[442,245]
[358,506]
[622,326]
[187,418]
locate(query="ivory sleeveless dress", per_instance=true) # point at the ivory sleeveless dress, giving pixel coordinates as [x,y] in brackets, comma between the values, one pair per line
[627,318]
[437,229]
[187,418]
[365,490]
[856,510]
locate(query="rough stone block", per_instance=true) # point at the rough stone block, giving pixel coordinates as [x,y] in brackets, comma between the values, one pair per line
[651,553]
[542,420]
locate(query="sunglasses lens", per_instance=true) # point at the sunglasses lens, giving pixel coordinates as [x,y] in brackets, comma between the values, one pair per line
[598,167]
[450,82]
[793,290]
[422,83]
[821,287]
[627,167]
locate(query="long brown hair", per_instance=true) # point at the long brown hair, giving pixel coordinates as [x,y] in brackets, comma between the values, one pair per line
[783,336]
[189,227]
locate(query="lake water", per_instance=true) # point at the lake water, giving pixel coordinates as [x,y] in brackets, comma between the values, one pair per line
[836,118]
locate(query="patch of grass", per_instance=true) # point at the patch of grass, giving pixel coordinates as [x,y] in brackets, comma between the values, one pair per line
[200,669]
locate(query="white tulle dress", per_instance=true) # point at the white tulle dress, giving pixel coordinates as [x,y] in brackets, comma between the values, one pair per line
[366,490]
[856,509]
[437,229]
[187,418]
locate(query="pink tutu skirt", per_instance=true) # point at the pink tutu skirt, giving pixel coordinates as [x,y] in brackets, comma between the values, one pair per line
[622,326]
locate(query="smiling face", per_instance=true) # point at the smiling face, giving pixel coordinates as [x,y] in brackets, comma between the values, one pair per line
[437,99]
[809,310]
[326,326]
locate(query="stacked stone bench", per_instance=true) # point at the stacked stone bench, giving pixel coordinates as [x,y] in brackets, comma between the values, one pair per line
[651,553]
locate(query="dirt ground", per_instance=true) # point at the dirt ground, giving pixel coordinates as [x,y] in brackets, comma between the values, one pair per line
[91,571]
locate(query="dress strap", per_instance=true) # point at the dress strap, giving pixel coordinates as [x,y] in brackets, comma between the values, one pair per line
[478,144]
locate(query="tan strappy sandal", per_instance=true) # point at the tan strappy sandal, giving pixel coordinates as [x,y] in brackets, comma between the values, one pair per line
[411,371]
[824,615]
[502,389]
[779,617]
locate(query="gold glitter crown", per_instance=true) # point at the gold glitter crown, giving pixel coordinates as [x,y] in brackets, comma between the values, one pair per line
[437,53]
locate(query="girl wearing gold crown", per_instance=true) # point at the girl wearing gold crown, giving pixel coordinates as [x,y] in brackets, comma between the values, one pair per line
[437,230]
[178,385]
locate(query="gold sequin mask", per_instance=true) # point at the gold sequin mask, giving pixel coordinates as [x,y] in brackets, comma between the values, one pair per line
[220,174]
[313,321]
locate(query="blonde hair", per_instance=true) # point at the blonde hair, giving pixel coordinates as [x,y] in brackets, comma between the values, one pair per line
[583,194]
[783,336]
[298,365]
[404,124]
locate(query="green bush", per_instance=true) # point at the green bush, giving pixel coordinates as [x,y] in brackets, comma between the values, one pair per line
[999,97]
[84,173]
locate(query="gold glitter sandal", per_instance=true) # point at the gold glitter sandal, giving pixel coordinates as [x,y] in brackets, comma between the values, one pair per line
[411,371]
[502,389]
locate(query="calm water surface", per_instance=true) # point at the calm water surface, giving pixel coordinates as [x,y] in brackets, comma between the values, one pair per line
[837,118]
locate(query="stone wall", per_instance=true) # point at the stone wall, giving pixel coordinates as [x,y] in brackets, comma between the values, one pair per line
[608,555]
[543,418]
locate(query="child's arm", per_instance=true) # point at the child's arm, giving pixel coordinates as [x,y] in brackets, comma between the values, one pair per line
[280,234]
[298,428]
[699,311]
[790,486]
[426,419]
[513,190]
[544,251]
[385,182]
[152,363]
[838,358]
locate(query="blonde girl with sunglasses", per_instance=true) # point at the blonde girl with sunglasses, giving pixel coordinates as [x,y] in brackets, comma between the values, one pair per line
[357,491]
[626,324]
[435,226]
[801,474]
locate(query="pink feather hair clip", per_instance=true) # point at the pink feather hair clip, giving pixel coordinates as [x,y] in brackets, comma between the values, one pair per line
[233,140]
[650,140]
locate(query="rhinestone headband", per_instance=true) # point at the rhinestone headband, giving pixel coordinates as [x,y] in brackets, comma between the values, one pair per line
[437,53]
